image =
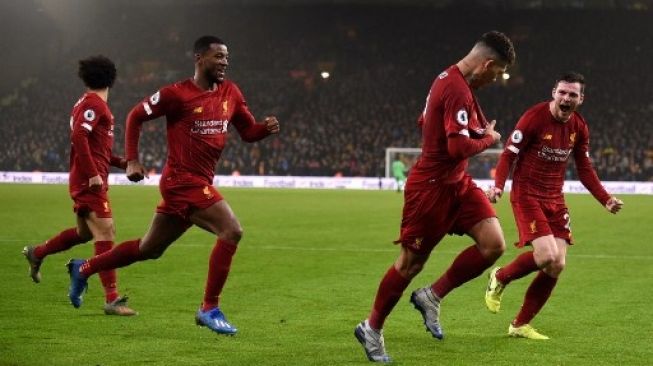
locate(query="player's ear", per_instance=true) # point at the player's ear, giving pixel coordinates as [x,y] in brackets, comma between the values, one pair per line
[488,63]
[581,99]
[197,57]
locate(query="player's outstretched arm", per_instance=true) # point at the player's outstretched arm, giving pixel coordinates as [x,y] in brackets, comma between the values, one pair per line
[614,205]
[250,131]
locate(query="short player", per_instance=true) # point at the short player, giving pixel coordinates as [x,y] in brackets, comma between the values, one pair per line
[198,112]
[539,148]
[91,137]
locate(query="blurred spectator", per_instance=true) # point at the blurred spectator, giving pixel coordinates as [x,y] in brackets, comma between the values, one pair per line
[380,60]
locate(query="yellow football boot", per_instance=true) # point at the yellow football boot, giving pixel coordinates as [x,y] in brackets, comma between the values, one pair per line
[494,292]
[525,331]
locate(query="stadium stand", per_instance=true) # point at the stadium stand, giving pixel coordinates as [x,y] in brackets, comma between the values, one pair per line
[381,59]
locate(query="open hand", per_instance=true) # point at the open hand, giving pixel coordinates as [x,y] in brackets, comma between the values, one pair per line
[614,205]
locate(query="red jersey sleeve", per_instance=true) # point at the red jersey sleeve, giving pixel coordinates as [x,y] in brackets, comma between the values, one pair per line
[245,123]
[506,161]
[155,106]
[118,162]
[518,141]
[462,147]
[458,108]
[586,172]
[82,124]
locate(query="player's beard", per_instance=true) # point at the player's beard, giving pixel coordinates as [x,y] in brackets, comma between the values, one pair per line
[212,77]
[477,81]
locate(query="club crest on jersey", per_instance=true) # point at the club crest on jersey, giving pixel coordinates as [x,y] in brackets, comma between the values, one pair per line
[418,243]
[462,118]
[154,99]
[198,110]
[548,136]
[572,139]
[516,136]
[533,227]
[89,115]
[225,107]
[207,192]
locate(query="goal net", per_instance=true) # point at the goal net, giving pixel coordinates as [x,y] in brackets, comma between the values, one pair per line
[481,166]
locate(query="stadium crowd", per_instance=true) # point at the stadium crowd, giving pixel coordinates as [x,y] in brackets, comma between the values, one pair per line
[381,61]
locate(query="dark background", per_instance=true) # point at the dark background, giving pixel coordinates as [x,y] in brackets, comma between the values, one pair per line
[382,56]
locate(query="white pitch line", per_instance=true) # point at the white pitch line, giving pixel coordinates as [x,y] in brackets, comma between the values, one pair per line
[396,249]
[366,250]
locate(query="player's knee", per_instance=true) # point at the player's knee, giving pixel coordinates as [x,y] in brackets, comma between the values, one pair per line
[492,248]
[556,267]
[106,234]
[151,253]
[545,259]
[234,233]
[85,235]
[410,270]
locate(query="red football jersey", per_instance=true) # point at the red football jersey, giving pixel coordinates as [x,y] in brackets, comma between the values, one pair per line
[197,122]
[451,109]
[91,137]
[542,146]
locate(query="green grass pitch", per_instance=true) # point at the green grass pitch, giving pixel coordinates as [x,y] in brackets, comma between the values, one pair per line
[304,276]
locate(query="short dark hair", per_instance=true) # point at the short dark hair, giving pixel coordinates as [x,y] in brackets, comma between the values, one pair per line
[97,72]
[501,44]
[572,77]
[203,43]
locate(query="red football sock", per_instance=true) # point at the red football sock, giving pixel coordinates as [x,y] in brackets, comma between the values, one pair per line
[219,266]
[391,288]
[536,296]
[62,241]
[109,277]
[468,265]
[518,268]
[120,256]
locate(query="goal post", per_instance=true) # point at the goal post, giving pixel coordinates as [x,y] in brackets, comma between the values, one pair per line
[481,166]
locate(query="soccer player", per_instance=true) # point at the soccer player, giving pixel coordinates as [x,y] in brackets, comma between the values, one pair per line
[399,172]
[545,137]
[198,111]
[440,197]
[91,137]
